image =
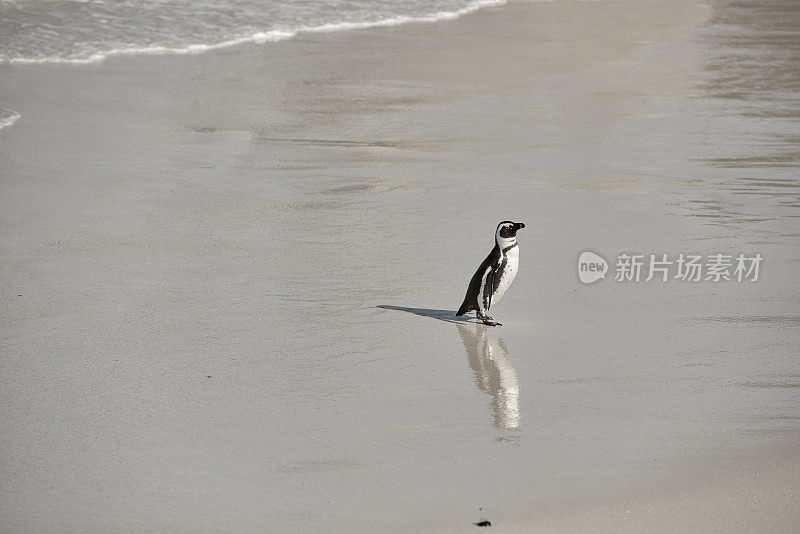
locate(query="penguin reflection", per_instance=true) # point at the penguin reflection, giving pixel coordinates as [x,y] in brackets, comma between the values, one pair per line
[488,358]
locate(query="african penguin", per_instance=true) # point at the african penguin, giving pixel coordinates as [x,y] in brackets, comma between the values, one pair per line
[498,270]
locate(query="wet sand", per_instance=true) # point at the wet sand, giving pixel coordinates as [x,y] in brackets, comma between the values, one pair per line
[227,280]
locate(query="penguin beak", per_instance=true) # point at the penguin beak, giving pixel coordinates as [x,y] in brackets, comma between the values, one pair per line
[519,225]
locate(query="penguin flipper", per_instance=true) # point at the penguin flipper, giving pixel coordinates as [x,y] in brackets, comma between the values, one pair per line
[489,321]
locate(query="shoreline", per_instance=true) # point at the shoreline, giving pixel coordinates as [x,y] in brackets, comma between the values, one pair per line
[209,261]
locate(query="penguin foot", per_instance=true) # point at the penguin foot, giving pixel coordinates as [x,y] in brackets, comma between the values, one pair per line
[488,321]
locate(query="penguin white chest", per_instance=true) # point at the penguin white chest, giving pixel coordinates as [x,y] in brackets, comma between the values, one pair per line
[508,274]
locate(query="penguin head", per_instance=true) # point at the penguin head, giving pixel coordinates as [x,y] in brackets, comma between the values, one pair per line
[507,231]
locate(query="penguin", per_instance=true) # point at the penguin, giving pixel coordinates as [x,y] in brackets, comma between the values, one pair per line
[495,274]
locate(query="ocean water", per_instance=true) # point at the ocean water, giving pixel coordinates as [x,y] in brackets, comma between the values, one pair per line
[223,274]
[85,31]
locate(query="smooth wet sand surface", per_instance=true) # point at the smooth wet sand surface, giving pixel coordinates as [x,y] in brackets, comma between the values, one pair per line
[227,280]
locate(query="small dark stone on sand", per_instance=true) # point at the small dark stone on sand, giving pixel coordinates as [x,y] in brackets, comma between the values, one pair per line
[483,523]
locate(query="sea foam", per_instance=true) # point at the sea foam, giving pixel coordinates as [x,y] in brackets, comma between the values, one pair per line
[261,37]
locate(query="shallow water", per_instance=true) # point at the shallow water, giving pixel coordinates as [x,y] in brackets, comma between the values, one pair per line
[228,279]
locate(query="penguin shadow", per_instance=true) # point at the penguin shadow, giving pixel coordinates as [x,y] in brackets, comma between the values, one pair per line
[488,358]
[448,316]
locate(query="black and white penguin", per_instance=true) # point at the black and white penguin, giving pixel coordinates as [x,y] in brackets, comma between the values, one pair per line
[494,276]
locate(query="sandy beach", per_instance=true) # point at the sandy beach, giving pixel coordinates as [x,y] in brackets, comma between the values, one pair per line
[228,280]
